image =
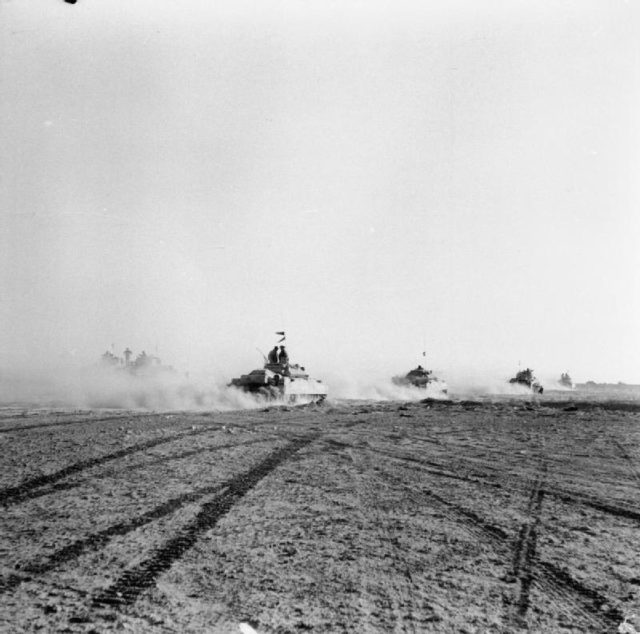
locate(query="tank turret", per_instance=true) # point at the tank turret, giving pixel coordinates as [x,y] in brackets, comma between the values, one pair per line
[421,378]
[527,378]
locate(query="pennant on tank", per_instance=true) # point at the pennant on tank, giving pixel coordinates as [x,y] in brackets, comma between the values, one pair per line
[281,333]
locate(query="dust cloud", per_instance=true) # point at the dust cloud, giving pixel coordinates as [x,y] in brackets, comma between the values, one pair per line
[379,389]
[460,384]
[99,387]
[105,388]
[477,385]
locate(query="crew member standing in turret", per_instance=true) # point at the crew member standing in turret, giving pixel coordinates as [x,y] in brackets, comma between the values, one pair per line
[283,357]
[273,355]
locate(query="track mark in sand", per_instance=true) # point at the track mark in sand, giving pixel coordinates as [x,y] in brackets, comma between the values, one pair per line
[559,585]
[525,550]
[64,486]
[337,444]
[556,583]
[190,453]
[127,589]
[438,470]
[97,540]
[566,495]
[386,571]
[86,421]
[627,456]
[25,490]
[593,502]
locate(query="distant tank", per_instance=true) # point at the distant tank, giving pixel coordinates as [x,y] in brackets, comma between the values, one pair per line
[566,381]
[526,377]
[144,364]
[280,380]
[421,378]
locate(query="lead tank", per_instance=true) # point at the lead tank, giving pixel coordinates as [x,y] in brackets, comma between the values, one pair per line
[423,379]
[287,382]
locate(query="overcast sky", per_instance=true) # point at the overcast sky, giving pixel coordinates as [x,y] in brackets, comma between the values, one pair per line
[194,176]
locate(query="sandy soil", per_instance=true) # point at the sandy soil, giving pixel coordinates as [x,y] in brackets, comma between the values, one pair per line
[496,516]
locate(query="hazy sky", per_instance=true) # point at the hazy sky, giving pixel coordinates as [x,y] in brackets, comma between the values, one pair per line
[197,175]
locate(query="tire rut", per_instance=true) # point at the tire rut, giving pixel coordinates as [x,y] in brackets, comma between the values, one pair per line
[25,490]
[438,469]
[571,497]
[525,548]
[127,589]
[627,456]
[65,486]
[403,608]
[188,454]
[84,421]
[98,540]
[549,578]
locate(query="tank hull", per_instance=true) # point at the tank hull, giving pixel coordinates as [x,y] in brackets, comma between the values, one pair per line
[534,387]
[422,379]
[279,383]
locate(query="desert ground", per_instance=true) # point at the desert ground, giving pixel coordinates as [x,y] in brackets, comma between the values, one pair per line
[495,515]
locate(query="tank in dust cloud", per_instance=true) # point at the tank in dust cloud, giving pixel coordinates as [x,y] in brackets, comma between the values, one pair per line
[144,365]
[286,382]
[566,381]
[423,379]
[527,378]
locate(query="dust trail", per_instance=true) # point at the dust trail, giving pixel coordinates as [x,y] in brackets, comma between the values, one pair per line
[465,387]
[378,389]
[459,384]
[96,387]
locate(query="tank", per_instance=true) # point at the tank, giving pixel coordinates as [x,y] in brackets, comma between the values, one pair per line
[282,381]
[566,381]
[421,378]
[146,365]
[527,378]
